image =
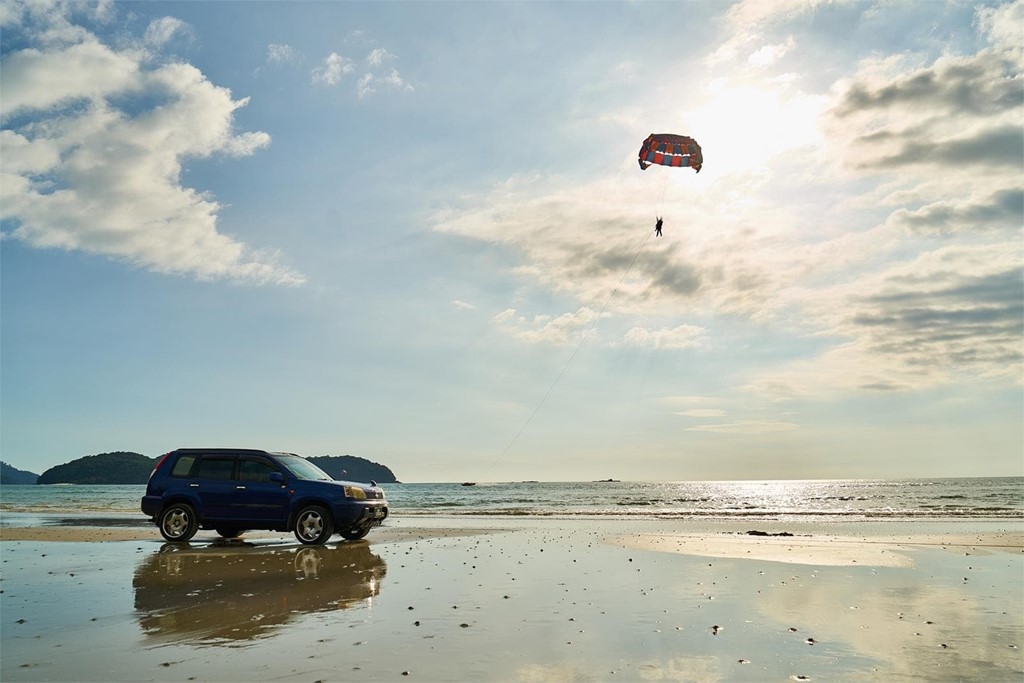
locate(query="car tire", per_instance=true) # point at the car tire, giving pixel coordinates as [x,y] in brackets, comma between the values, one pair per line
[230,533]
[178,522]
[313,525]
[356,533]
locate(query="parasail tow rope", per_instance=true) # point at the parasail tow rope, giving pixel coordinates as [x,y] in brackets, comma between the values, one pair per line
[583,339]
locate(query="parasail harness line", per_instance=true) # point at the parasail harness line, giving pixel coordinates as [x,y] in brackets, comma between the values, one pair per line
[572,356]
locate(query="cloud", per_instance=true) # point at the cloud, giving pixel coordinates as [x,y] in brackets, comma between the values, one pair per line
[95,160]
[997,147]
[566,329]
[35,79]
[935,319]
[746,427]
[952,315]
[702,412]
[957,111]
[368,83]
[748,18]
[332,70]
[682,337]
[769,54]
[161,31]
[279,53]
[462,305]
[336,67]
[377,57]
[1002,210]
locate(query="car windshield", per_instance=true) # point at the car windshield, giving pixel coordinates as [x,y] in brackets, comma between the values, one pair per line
[303,469]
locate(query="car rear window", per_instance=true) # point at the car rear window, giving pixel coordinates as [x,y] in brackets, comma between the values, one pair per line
[215,468]
[183,466]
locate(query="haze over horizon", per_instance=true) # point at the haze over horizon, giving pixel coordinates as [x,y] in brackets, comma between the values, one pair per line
[417,233]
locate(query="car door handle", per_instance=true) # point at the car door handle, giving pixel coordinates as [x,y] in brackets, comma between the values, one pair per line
[195,486]
[239,488]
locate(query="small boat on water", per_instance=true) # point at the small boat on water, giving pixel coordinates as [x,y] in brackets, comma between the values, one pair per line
[469,483]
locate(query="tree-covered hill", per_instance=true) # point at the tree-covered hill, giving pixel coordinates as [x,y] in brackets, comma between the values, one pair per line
[353,468]
[12,475]
[125,467]
[120,467]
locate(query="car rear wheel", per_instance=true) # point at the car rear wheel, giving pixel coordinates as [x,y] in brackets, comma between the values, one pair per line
[356,533]
[313,525]
[178,522]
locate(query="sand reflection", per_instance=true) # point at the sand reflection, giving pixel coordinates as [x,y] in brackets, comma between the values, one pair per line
[230,592]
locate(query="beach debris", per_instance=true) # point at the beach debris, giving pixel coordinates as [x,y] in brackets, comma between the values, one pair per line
[715,629]
[405,673]
[20,621]
[800,677]
[792,629]
[743,661]
[810,641]
[463,625]
[766,533]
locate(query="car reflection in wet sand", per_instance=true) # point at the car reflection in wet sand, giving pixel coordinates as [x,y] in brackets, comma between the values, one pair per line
[233,591]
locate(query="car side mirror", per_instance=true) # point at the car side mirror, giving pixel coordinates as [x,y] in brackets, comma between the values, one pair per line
[277,477]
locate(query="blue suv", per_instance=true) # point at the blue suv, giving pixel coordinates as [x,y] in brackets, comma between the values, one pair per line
[235,490]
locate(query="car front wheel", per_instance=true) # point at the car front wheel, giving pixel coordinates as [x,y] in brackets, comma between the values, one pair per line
[178,522]
[313,525]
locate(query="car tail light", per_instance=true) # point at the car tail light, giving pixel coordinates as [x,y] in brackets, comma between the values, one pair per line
[159,463]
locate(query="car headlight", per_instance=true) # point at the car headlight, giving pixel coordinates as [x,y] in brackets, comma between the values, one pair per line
[354,492]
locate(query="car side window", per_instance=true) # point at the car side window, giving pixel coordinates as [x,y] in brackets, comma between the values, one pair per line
[255,470]
[183,466]
[215,468]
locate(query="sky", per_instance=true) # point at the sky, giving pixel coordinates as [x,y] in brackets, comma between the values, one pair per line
[417,232]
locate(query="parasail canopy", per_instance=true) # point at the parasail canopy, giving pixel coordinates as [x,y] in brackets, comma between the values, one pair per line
[667,149]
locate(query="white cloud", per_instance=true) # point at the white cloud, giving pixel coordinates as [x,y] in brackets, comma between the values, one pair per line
[392,80]
[702,412]
[769,54]
[336,67]
[681,337]
[36,78]
[748,18]
[161,31]
[463,305]
[377,57]
[104,178]
[368,82]
[746,427]
[566,329]
[278,53]
[951,315]
[333,69]
[364,87]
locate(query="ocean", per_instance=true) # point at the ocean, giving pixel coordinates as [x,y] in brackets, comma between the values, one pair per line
[996,498]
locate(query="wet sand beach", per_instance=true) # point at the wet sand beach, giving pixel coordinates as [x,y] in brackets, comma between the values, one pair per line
[477,599]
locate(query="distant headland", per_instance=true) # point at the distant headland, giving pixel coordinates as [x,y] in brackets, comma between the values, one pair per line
[127,467]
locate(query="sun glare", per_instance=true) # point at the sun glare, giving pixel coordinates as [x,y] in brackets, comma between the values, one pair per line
[743,127]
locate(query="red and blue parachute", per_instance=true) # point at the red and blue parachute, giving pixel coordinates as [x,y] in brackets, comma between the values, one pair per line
[667,149]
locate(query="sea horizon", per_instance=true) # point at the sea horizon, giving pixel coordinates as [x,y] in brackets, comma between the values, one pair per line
[827,499]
